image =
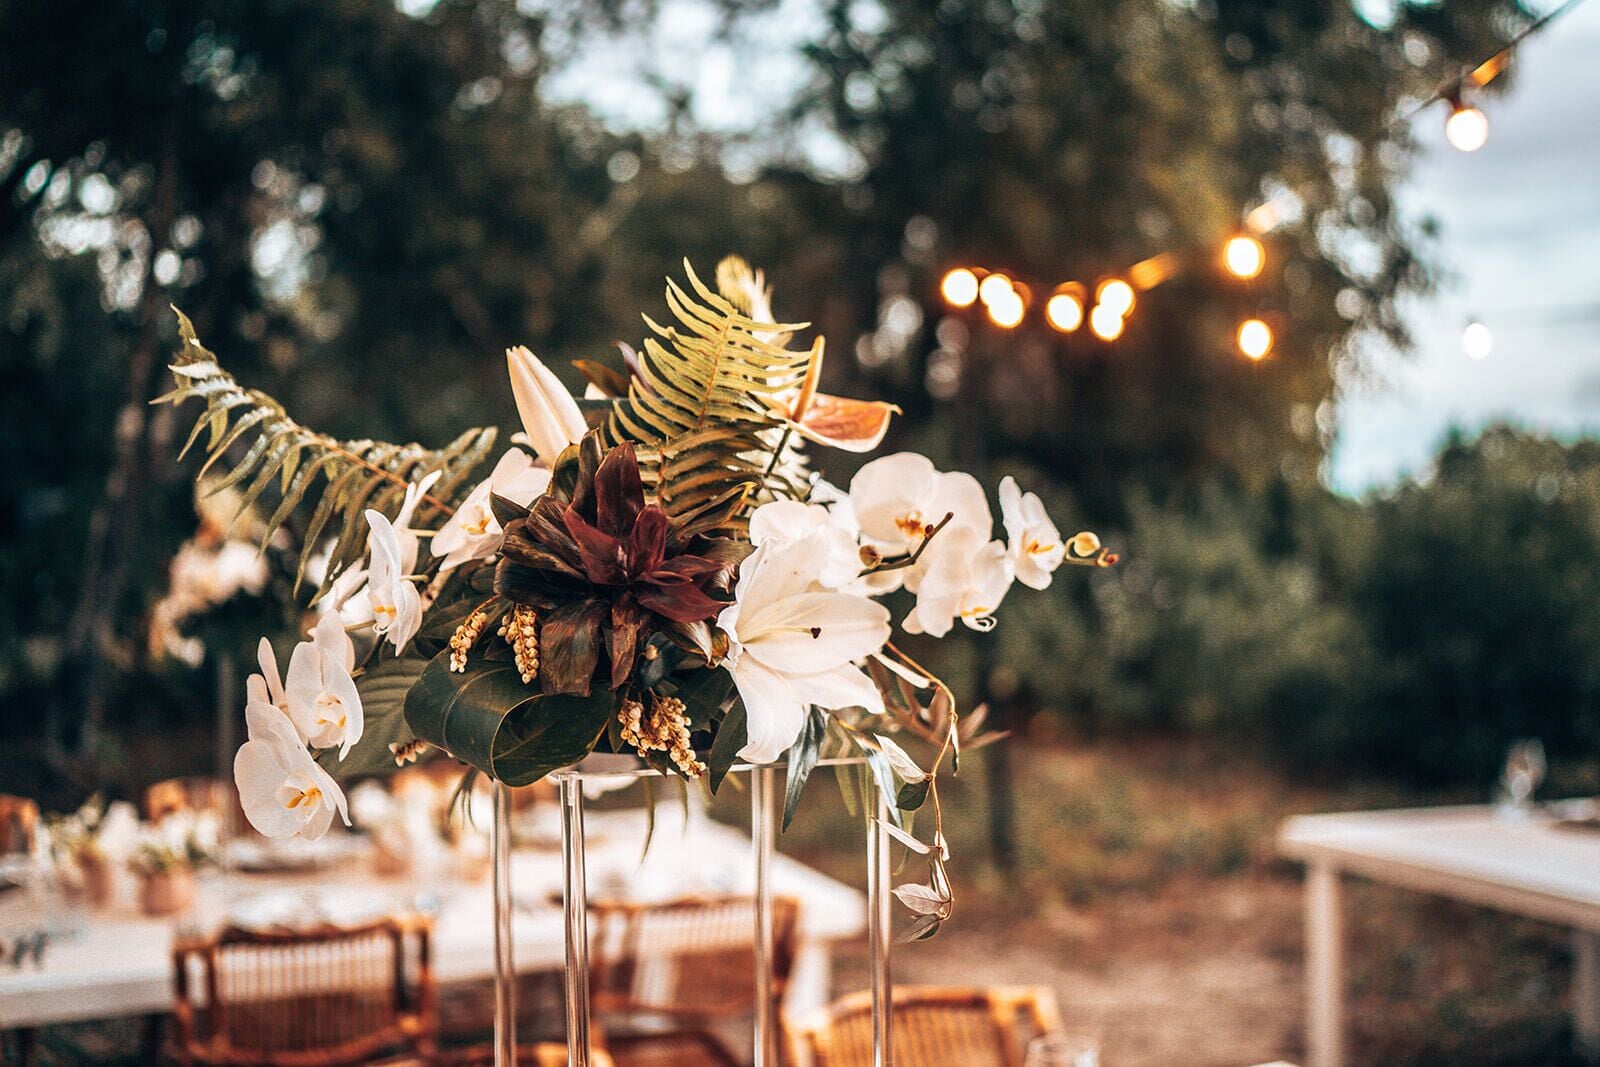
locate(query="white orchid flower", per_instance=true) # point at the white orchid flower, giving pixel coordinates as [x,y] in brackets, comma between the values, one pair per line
[899,500]
[473,532]
[267,687]
[550,417]
[349,595]
[323,703]
[396,604]
[1036,545]
[966,580]
[283,791]
[793,644]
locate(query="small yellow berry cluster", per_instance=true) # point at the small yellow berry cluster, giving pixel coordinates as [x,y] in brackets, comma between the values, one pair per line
[664,729]
[520,628]
[466,636]
[407,752]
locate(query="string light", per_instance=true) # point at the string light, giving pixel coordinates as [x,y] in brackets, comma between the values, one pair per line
[994,287]
[1255,339]
[1064,309]
[1244,257]
[959,287]
[1476,340]
[1116,296]
[1105,323]
[1467,128]
[1007,309]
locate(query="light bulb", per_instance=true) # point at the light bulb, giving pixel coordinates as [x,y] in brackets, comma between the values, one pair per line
[1255,339]
[1477,341]
[1116,296]
[1244,257]
[959,287]
[994,287]
[1064,311]
[1006,310]
[1466,129]
[1105,322]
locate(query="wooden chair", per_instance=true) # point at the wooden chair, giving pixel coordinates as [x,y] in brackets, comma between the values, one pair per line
[19,824]
[666,976]
[542,1054]
[320,997]
[933,1026]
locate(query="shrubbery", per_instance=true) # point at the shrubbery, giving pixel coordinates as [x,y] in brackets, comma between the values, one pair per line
[1416,633]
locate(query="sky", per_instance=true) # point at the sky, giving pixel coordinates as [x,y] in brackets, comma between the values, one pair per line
[1520,245]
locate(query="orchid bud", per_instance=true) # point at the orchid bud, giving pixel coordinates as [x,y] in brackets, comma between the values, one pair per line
[1084,545]
[550,417]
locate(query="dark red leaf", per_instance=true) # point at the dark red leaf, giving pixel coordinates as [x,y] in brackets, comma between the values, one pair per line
[680,603]
[604,558]
[569,647]
[619,491]
[627,620]
[647,544]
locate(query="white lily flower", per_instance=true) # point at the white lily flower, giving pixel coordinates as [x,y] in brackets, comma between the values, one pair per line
[550,417]
[967,580]
[283,791]
[1036,545]
[473,532]
[793,644]
[396,604]
[323,703]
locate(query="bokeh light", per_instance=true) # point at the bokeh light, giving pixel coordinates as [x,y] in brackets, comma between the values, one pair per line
[1476,340]
[1255,339]
[1467,129]
[1105,323]
[1007,309]
[1064,311]
[959,287]
[1116,296]
[1244,257]
[995,287]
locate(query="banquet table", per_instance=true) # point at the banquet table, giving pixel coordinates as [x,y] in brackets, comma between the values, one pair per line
[1533,865]
[120,963]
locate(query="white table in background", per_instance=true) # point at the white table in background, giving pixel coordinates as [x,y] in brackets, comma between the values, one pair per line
[121,965]
[1526,867]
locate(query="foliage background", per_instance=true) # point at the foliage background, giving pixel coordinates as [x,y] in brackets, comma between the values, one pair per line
[360,207]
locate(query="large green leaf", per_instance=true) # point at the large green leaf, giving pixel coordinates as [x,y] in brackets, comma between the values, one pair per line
[731,737]
[383,692]
[488,718]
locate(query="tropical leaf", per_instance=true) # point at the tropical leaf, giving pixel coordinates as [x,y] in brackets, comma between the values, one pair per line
[344,478]
[803,756]
[701,408]
[487,718]
[383,692]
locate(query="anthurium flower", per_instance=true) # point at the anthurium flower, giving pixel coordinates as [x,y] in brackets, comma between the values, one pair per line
[1036,546]
[396,604]
[967,579]
[793,644]
[283,791]
[322,700]
[473,532]
[550,417]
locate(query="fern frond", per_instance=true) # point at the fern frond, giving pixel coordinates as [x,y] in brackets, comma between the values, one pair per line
[344,477]
[701,408]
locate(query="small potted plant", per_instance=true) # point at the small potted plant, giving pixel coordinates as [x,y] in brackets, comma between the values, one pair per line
[167,858]
[93,844]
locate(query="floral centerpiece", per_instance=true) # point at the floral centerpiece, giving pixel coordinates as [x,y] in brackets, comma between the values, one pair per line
[167,855]
[652,570]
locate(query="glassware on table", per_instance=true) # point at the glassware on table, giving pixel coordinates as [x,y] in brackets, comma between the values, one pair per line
[1524,771]
[1063,1050]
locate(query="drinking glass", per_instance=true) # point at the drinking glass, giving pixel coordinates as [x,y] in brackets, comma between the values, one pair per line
[1063,1050]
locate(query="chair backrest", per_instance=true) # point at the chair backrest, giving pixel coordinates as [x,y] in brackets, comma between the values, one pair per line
[692,958]
[19,823]
[306,998]
[933,1025]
